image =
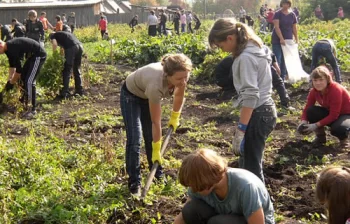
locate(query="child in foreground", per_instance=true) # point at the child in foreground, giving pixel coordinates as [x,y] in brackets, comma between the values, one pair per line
[220,195]
[333,190]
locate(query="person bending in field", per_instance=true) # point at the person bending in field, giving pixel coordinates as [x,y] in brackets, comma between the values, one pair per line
[252,80]
[333,191]
[15,50]
[326,48]
[134,22]
[334,109]
[222,195]
[73,52]
[140,102]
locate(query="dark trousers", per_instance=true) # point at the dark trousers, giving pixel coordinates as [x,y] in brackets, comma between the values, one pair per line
[270,26]
[162,29]
[278,84]
[177,28]
[183,27]
[152,30]
[339,128]
[31,69]
[198,212]
[277,50]
[324,50]
[189,28]
[196,27]
[137,120]
[260,126]
[103,33]
[242,20]
[72,27]
[73,57]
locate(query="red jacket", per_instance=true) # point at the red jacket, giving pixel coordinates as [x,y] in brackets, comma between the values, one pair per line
[103,24]
[336,99]
[269,16]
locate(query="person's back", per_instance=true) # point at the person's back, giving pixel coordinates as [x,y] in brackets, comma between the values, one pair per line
[103,24]
[18,30]
[65,39]
[5,33]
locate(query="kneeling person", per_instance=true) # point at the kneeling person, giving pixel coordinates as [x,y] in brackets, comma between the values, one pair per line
[218,194]
[35,58]
[73,52]
[334,109]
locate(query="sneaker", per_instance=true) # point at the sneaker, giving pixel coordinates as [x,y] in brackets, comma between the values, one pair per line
[135,190]
[288,108]
[60,97]
[29,115]
[79,93]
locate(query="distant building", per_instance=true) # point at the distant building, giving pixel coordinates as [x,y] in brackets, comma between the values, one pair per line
[86,12]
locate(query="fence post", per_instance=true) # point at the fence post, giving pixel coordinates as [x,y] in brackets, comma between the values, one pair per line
[112,42]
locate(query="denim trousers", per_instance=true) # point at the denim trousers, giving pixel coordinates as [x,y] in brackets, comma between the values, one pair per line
[261,124]
[137,120]
[277,50]
[325,50]
[198,212]
[339,128]
[278,85]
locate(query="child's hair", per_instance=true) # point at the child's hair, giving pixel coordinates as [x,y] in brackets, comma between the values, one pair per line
[228,26]
[43,13]
[321,72]
[32,13]
[202,169]
[176,62]
[58,18]
[333,190]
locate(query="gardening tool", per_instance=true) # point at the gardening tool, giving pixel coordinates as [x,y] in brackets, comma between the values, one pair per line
[150,176]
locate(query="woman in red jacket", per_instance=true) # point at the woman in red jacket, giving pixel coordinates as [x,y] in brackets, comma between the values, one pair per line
[334,109]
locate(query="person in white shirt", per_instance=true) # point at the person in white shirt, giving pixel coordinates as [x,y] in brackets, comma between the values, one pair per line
[152,22]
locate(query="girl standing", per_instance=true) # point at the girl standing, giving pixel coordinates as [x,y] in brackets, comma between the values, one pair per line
[285,23]
[140,101]
[252,80]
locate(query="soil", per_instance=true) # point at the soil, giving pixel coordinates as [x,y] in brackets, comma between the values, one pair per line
[288,165]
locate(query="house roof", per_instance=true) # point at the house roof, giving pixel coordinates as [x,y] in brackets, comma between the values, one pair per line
[110,7]
[49,4]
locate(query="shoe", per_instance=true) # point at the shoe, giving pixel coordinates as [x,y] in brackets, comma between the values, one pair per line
[60,97]
[29,115]
[288,108]
[79,93]
[320,137]
[160,180]
[135,190]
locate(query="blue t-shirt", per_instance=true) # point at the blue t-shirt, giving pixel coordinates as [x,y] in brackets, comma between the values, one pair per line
[246,194]
[286,26]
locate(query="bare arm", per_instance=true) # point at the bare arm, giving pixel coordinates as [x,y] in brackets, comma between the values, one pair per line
[11,73]
[179,94]
[156,113]
[295,32]
[277,67]
[246,114]
[54,44]
[276,23]
[257,217]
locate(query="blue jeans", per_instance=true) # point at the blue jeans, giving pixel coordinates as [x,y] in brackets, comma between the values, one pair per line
[325,50]
[277,50]
[183,28]
[137,120]
[260,126]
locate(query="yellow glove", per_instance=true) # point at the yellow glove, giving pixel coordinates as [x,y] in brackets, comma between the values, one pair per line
[156,152]
[174,120]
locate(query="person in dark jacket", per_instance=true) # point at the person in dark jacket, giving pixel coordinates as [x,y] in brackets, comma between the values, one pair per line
[197,21]
[162,24]
[176,22]
[18,29]
[134,21]
[73,52]
[35,58]
[5,33]
[34,28]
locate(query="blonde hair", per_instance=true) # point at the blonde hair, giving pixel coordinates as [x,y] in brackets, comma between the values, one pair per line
[175,62]
[333,190]
[321,72]
[32,13]
[202,169]
[227,26]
